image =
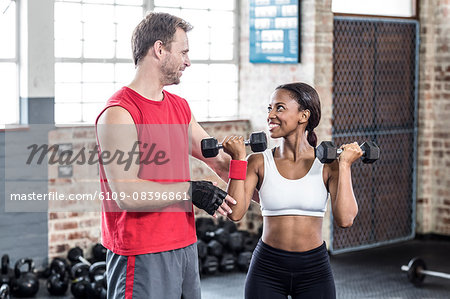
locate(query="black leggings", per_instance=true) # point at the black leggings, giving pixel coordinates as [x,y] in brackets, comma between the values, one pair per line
[276,273]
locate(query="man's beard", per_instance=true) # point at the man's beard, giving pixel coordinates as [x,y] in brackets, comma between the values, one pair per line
[169,73]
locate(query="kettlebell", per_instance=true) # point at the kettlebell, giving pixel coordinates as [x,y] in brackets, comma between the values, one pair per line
[6,272]
[24,284]
[79,270]
[4,291]
[81,284]
[58,282]
[97,271]
[97,277]
[80,288]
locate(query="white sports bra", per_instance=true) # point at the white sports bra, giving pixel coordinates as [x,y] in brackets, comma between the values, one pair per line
[280,196]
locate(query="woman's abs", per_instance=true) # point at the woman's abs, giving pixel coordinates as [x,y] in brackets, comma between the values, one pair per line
[292,233]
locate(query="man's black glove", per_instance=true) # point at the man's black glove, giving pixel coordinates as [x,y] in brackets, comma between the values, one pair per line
[206,196]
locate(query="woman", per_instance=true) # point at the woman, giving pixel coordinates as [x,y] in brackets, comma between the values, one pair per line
[291,258]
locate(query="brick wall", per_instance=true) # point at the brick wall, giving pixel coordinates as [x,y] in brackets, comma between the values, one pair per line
[433,176]
[73,223]
[257,81]
[323,82]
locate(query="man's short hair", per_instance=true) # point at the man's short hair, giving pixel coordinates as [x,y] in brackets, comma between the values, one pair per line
[155,26]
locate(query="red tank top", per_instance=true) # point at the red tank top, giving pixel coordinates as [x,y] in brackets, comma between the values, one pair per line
[133,233]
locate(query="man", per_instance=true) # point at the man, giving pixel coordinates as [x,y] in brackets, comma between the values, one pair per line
[152,254]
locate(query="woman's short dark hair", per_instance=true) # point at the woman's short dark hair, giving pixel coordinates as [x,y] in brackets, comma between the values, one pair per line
[155,26]
[307,98]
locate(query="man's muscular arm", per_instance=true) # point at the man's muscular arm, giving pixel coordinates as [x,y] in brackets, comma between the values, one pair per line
[116,132]
[219,164]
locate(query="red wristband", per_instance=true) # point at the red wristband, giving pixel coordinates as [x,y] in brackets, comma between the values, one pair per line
[238,169]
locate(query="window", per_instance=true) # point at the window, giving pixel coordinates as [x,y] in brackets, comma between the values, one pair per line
[210,85]
[9,113]
[92,54]
[395,8]
[94,59]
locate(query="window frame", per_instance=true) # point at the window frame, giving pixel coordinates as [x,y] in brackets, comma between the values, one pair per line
[83,60]
[15,60]
[149,5]
[414,16]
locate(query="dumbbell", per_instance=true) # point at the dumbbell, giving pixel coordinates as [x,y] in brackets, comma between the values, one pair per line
[236,241]
[79,270]
[81,287]
[243,260]
[222,236]
[215,248]
[97,275]
[205,228]
[227,262]
[98,253]
[257,141]
[58,281]
[229,226]
[250,241]
[417,270]
[327,152]
[210,265]
[81,283]
[75,255]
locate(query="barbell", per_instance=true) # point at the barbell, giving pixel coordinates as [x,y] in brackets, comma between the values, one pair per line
[417,270]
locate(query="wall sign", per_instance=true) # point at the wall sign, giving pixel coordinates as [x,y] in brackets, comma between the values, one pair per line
[274,31]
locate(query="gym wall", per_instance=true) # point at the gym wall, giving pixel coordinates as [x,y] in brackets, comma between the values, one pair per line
[256,82]
[433,168]
[26,234]
[22,234]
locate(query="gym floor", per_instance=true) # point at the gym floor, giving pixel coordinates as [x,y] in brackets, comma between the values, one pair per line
[371,273]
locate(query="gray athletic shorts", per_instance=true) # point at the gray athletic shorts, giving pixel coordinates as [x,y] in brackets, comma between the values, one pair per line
[169,274]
